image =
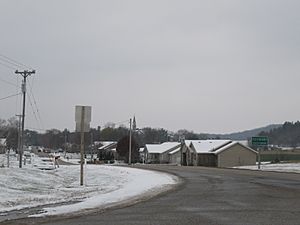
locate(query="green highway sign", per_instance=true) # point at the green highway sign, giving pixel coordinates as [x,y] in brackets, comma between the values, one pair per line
[260,141]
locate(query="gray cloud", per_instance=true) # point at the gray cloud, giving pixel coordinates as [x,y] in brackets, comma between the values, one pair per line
[211,66]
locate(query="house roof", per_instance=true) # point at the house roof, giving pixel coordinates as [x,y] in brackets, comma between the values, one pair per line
[208,146]
[175,150]
[2,141]
[215,146]
[161,148]
[219,150]
[107,144]
[188,142]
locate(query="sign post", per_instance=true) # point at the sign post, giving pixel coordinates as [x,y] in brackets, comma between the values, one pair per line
[83,119]
[259,142]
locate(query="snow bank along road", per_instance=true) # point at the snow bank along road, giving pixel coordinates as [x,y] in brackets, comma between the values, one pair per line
[279,167]
[208,196]
[26,191]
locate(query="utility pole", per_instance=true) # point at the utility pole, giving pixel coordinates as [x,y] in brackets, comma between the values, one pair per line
[65,143]
[130,127]
[19,133]
[259,159]
[24,74]
[182,142]
[8,150]
[92,146]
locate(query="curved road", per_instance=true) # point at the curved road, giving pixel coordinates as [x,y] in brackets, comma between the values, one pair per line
[208,196]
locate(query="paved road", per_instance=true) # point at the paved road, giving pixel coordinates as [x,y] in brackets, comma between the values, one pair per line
[208,196]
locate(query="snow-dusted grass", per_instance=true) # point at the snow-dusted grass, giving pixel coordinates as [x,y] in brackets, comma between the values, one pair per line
[280,167]
[75,157]
[105,185]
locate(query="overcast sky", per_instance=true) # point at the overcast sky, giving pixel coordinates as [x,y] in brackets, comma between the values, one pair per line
[207,66]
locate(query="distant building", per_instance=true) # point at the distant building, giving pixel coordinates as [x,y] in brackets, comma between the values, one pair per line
[142,155]
[160,153]
[212,153]
[107,150]
[175,156]
[219,153]
[107,145]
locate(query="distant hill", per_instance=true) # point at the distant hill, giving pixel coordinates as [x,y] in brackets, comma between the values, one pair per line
[287,135]
[245,135]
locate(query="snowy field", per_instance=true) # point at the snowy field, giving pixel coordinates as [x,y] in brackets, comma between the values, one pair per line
[104,185]
[279,167]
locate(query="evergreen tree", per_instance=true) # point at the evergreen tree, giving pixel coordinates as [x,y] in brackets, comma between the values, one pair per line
[123,149]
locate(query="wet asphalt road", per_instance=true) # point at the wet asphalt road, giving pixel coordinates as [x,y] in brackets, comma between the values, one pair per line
[208,196]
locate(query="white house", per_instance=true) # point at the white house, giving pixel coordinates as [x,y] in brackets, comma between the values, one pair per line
[108,147]
[175,156]
[219,153]
[159,153]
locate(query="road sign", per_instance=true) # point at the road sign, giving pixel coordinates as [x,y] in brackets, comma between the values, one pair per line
[83,119]
[259,141]
[86,118]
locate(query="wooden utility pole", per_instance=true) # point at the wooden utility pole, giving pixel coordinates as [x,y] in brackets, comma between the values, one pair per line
[65,143]
[24,74]
[19,133]
[92,146]
[130,127]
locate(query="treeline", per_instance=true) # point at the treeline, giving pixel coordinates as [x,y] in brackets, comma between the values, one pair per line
[9,130]
[286,135]
[57,139]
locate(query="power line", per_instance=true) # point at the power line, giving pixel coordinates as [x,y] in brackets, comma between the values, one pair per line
[36,106]
[35,116]
[16,62]
[122,122]
[9,62]
[9,67]
[18,109]
[10,96]
[33,128]
[8,82]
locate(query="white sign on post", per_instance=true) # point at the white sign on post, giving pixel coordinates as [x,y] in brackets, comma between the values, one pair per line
[83,119]
[86,119]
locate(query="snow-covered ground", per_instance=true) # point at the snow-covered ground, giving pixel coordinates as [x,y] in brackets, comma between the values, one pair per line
[280,167]
[75,157]
[104,185]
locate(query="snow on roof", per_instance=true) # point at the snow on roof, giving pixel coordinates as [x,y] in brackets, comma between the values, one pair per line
[208,146]
[244,142]
[175,150]
[106,144]
[2,141]
[230,145]
[188,142]
[161,148]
